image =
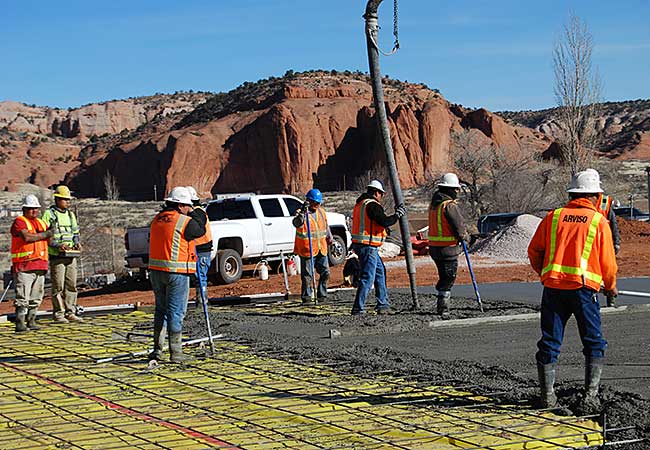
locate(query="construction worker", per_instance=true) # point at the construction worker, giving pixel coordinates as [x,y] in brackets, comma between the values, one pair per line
[321,238]
[572,251]
[369,224]
[605,208]
[446,231]
[64,247]
[29,236]
[172,260]
[203,250]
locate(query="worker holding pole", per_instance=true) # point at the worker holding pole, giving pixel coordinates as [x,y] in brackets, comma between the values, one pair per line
[313,236]
[572,251]
[172,260]
[369,224]
[446,232]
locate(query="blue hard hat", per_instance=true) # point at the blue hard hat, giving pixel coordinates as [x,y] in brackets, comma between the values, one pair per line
[315,196]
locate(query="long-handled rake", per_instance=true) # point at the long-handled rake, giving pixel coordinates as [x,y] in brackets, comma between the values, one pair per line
[471,272]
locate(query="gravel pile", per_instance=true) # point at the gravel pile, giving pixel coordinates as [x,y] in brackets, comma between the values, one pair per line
[510,243]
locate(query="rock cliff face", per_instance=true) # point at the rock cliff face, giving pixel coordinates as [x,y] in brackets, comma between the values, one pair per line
[310,130]
[40,144]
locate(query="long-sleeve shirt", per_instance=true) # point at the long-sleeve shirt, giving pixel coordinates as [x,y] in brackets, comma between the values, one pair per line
[376,212]
[299,220]
[456,222]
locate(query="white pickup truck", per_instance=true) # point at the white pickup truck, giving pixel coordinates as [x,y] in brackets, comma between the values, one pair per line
[246,227]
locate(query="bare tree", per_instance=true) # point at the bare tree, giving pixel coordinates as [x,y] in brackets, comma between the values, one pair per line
[578,91]
[111,189]
[472,159]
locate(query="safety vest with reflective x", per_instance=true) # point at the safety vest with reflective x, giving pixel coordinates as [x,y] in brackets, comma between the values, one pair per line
[169,251]
[440,232]
[572,236]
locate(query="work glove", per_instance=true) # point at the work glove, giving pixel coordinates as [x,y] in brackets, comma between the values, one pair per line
[400,211]
[613,293]
[465,238]
[616,249]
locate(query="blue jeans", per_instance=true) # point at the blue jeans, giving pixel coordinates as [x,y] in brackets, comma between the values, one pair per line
[171,291]
[372,272]
[557,307]
[202,267]
[322,267]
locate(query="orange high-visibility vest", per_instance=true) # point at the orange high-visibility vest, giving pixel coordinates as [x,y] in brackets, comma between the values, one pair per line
[440,231]
[569,257]
[22,251]
[318,230]
[604,204]
[169,251]
[365,230]
[207,237]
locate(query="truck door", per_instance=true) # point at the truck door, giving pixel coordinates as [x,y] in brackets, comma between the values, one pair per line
[278,231]
[240,210]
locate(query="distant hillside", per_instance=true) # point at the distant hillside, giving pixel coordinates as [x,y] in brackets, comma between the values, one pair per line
[289,133]
[624,126]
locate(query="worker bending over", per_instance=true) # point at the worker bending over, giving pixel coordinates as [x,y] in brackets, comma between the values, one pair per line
[572,251]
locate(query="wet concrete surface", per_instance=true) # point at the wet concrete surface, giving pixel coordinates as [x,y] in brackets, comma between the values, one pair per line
[495,358]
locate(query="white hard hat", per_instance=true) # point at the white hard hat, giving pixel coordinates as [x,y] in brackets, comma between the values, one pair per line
[449,180]
[31,201]
[180,194]
[193,193]
[376,184]
[585,182]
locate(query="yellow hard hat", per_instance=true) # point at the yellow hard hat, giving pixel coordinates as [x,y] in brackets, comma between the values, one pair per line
[62,192]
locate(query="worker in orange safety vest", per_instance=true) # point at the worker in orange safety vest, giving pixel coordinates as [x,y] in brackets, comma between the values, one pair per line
[572,251]
[29,260]
[172,260]
[321,238]
[446,231]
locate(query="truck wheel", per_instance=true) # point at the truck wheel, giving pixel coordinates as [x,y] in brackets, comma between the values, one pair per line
[337,251]
[229,268]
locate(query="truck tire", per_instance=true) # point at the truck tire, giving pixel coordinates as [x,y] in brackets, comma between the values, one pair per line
[229,268]
[337,250]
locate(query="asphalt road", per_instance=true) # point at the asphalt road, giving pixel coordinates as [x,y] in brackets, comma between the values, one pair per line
[532,292]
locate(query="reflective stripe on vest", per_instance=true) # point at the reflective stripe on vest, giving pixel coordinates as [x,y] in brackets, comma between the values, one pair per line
[605,205]
[586,251]
[162,239]
[444,236]
[318,230]
[361,234]
[65,227]
[22,251]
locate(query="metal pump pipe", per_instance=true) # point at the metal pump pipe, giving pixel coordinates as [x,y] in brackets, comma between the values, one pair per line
[372,31]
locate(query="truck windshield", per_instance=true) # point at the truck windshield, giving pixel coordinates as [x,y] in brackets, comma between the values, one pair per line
[231,209]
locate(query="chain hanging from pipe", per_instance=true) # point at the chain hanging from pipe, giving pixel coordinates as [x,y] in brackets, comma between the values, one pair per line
[373,34]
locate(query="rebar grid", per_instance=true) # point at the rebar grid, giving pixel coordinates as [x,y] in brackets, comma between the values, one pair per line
[261,395]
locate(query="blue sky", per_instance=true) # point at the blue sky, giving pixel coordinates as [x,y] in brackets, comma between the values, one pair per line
[494,54]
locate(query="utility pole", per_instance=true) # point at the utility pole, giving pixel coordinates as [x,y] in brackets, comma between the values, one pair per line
[372,33]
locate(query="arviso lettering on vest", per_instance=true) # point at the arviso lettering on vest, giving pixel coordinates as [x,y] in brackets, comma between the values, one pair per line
[574,219]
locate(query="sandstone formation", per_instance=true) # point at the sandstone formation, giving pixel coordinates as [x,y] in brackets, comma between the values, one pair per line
[309,130]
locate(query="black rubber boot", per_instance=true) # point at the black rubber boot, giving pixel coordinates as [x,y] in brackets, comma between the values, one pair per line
[21,325]
[593,371]
[176,349]
[442,306]
[546,374]
[158,344]
[31,319]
